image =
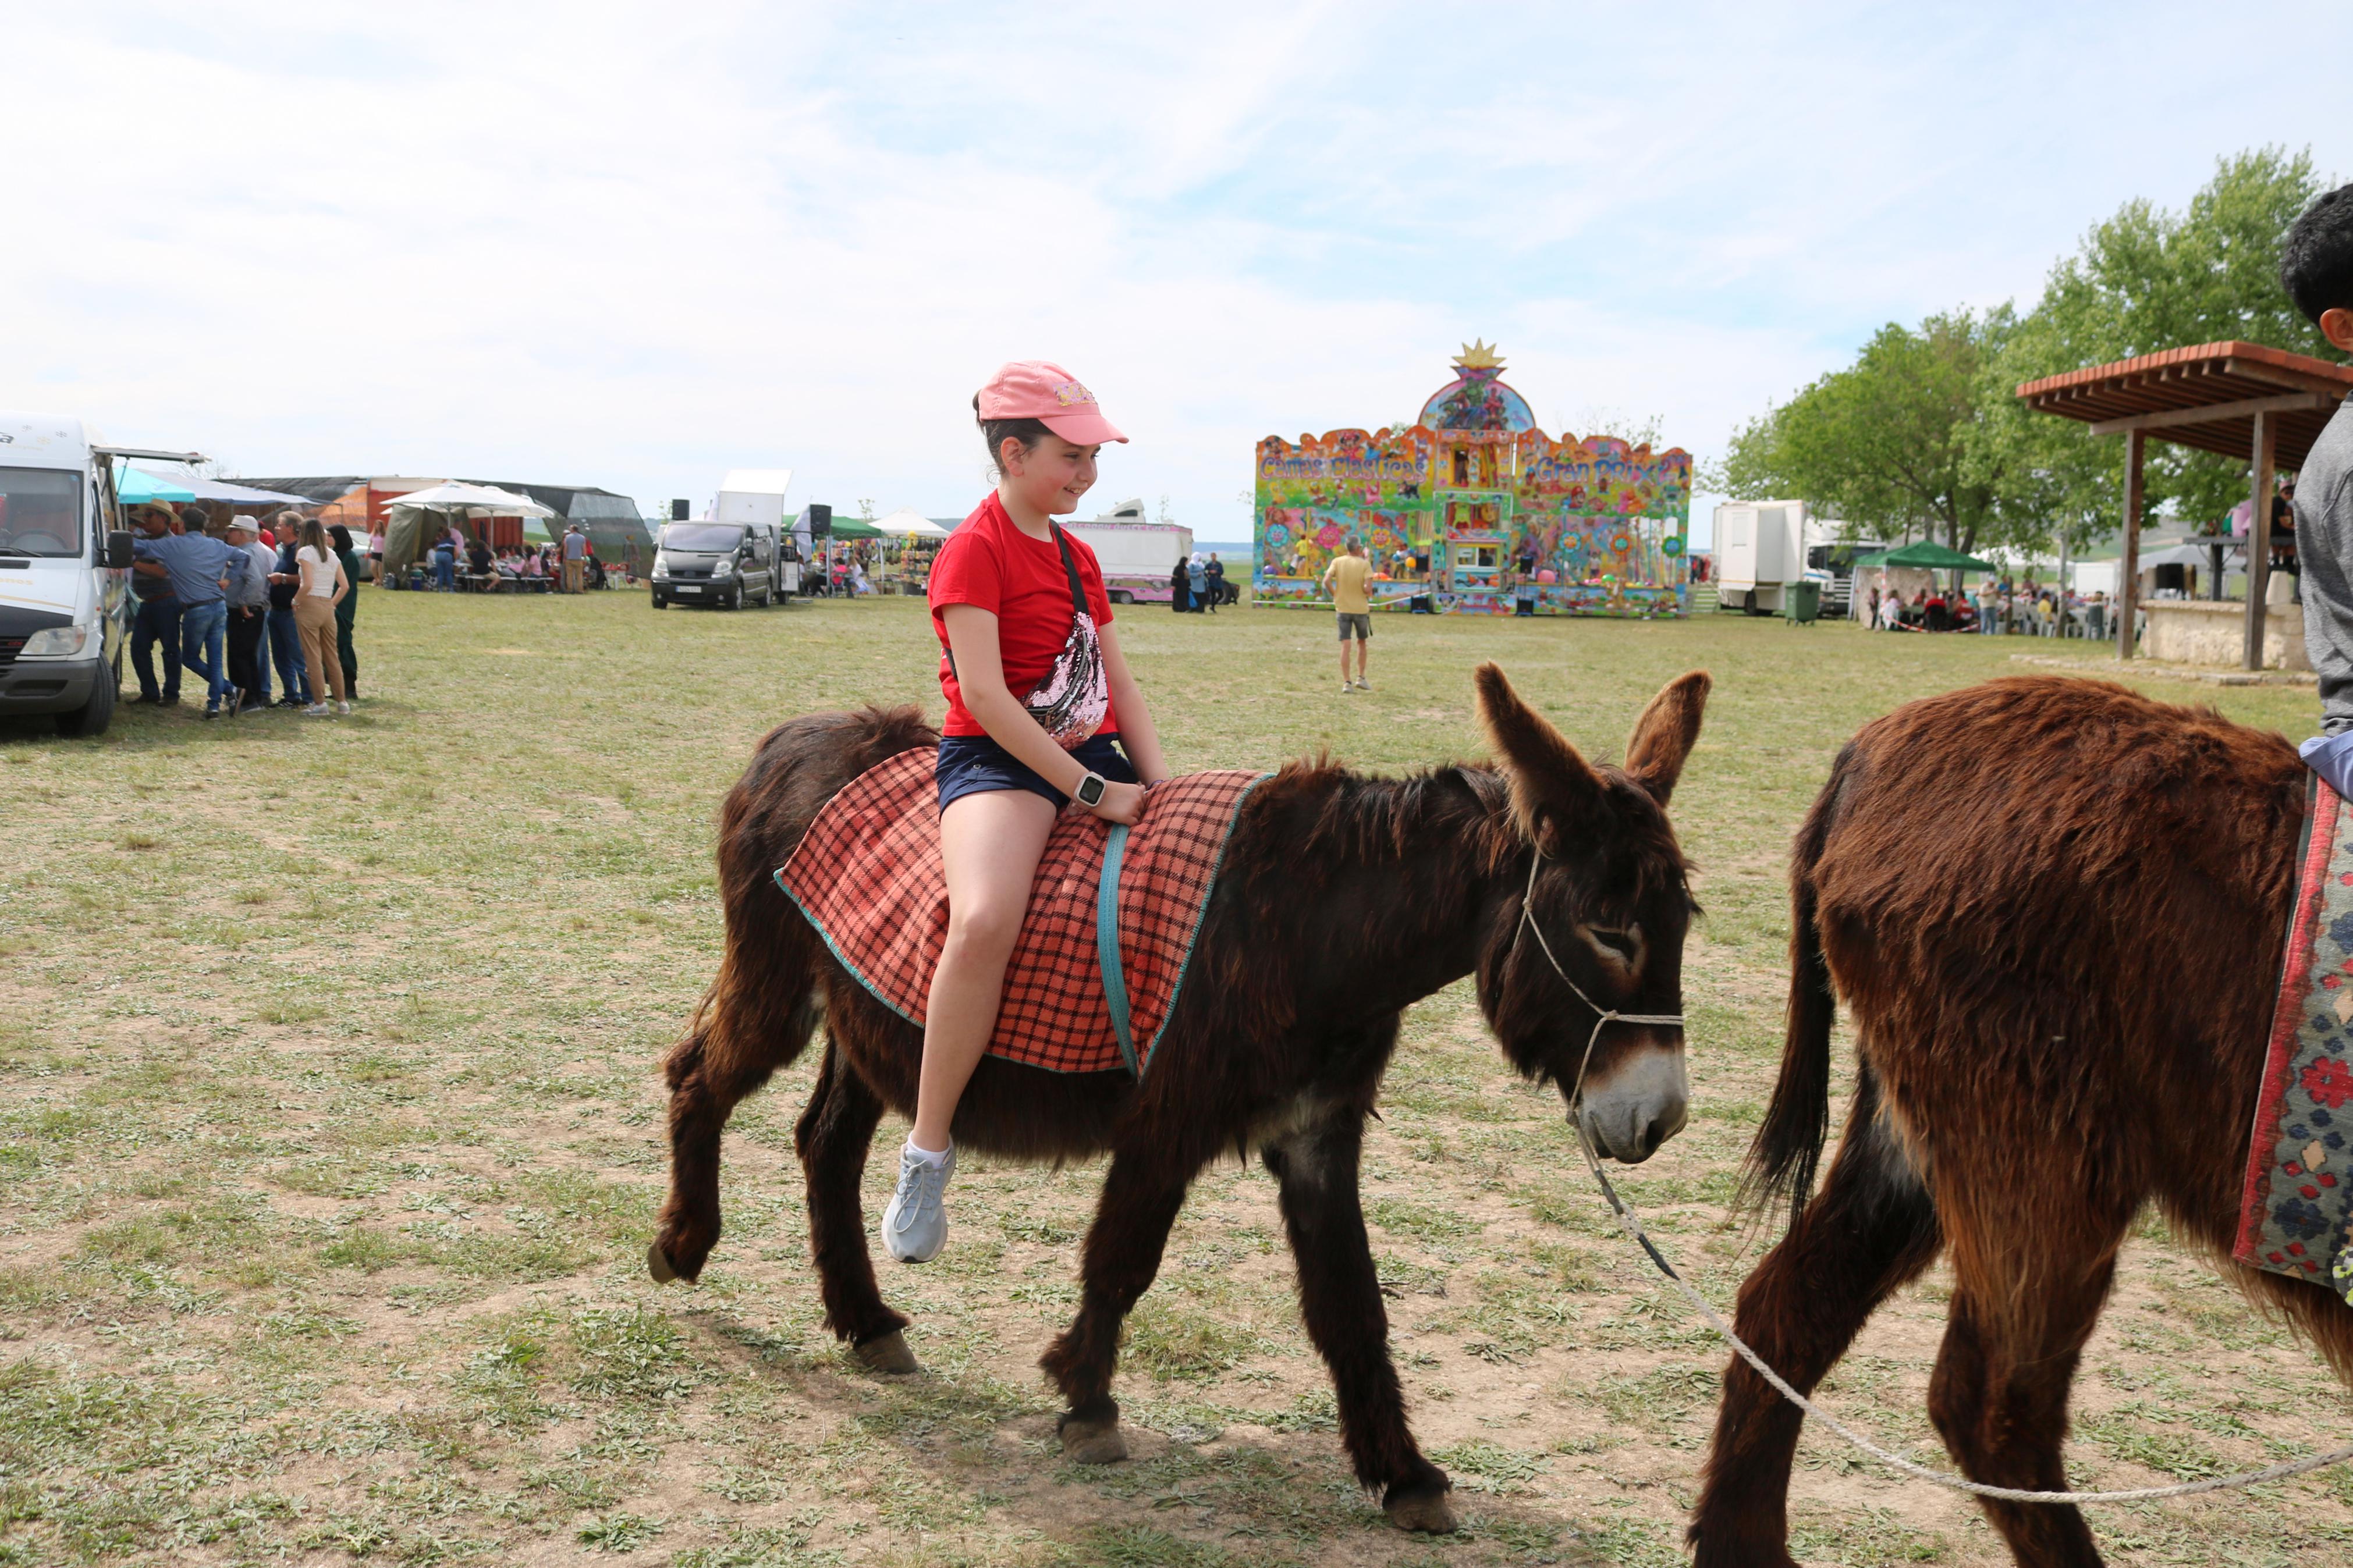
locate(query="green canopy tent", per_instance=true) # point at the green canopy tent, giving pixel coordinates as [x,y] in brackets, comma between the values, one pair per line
[850,528]
[1925,556]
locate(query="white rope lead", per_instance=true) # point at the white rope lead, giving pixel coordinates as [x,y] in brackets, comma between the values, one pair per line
[1632,1225]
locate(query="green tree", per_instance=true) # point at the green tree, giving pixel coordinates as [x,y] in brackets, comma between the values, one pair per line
[2145,280]
[1888,444]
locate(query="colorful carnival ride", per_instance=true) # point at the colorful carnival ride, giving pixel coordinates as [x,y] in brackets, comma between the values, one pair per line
[1473,510]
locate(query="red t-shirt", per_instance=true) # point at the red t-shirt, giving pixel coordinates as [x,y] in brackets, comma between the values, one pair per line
[991,563]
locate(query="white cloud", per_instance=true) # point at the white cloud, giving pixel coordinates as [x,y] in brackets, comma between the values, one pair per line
[612,245]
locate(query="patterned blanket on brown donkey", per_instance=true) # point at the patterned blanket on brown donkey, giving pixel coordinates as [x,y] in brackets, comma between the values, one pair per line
[868,877]
[2299,1192]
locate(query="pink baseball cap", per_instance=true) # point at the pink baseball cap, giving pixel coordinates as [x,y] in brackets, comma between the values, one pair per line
[1041,390]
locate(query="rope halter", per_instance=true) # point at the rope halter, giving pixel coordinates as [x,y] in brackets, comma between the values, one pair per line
[1606,1015]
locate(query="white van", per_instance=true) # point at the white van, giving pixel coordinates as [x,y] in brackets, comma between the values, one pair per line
[64,572]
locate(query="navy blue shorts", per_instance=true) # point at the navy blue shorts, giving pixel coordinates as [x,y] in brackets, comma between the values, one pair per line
[974,764]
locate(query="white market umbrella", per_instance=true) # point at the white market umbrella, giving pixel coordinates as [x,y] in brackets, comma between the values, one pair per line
[909,523]
[473,497]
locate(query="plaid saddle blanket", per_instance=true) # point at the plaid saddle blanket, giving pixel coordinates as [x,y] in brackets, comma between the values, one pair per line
[1112,918]
[2299,1189]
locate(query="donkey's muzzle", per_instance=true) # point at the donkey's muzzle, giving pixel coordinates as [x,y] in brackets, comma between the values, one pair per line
[1645,1102]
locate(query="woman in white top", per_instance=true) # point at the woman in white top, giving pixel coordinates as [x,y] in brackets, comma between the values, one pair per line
[324,587]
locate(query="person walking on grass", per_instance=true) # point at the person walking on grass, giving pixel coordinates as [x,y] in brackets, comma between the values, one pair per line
[1344,580]
[346,608]
[324,585]
[1042,706]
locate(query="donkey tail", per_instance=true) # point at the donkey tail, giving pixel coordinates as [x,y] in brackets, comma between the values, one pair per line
[1788,1144]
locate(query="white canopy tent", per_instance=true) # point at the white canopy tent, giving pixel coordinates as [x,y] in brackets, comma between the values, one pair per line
[909,523]
[472,498]
[404,541]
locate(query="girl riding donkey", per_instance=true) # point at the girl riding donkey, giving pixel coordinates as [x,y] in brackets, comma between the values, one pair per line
[1020,606]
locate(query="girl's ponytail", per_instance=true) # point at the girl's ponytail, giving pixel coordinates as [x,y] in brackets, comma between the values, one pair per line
[996,432]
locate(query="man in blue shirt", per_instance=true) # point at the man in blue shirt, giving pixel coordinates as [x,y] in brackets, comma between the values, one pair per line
[201,568]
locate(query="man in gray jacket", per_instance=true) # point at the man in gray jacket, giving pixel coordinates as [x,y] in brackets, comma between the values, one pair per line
[2317,271]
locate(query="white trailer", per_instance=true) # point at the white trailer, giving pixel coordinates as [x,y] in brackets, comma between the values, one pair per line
[1138,557]
[1759,551]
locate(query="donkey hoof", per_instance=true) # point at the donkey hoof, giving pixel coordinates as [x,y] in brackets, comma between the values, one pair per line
[888,1355]
[1095,1441]
[657,1264]
[1428,1512]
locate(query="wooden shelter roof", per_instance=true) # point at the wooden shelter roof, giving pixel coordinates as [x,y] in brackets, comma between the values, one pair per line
[2205,397]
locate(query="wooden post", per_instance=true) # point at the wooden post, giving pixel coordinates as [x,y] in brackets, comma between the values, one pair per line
[2259,539]
[2128,568]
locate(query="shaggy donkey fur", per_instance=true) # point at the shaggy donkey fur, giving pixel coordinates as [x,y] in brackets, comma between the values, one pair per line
[1343,898]
[2055,909]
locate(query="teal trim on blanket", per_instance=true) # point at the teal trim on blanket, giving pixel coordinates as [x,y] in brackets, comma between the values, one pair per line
[1114,977]
[1185,965]
[839,956]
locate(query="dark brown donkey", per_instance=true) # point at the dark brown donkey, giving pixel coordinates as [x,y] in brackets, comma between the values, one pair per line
[1342,899]
[2056,910]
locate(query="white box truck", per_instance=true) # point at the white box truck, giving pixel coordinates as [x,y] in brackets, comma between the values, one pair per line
[1138,557]
[1759,551]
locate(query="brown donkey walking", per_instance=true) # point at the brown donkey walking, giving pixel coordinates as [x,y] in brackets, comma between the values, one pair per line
[2056,910]
[1343,899]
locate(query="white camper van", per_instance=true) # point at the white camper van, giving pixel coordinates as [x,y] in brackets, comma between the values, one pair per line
[64,572]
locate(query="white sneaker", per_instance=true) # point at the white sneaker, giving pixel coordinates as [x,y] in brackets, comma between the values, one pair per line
[316,710]
[342,707]
[915,1220]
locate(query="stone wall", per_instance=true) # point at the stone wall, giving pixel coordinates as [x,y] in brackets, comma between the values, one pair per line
[2201,631]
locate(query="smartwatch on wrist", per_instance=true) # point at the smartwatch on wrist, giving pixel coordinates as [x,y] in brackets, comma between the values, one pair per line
[1090,791]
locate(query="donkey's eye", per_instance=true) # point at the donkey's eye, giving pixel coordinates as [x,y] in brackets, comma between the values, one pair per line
[1618,945]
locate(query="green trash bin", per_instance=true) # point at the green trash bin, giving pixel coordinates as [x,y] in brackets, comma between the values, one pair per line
[1801,602]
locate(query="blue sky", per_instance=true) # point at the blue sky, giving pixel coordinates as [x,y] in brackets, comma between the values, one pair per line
[635,246]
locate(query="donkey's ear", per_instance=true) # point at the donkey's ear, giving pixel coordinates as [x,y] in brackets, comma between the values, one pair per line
[1665,733]
[1554,792]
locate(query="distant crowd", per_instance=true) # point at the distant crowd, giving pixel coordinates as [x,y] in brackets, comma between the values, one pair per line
[229,597]
[1996,607]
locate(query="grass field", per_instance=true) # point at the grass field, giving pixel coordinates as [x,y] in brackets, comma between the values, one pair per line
[330,1142]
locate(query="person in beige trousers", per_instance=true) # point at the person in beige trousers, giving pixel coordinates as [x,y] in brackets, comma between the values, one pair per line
[324,583]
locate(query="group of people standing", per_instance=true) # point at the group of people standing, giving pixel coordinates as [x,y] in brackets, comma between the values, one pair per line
[229,596]
[1198,585]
